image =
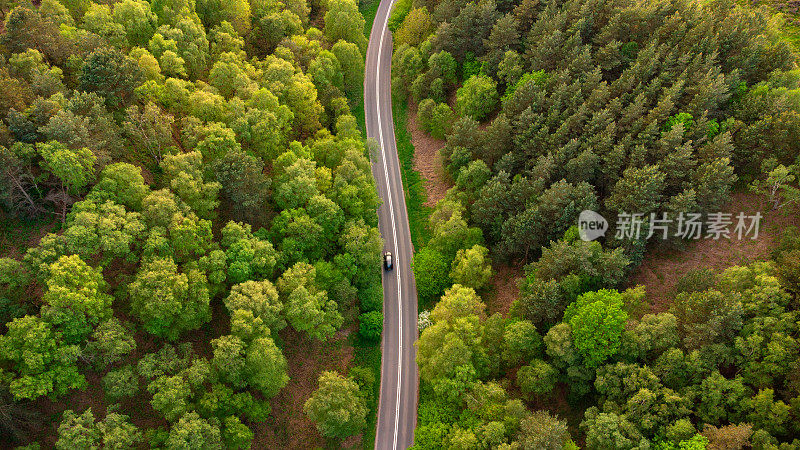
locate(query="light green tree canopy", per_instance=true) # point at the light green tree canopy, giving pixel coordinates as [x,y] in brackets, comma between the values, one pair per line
[75,168]
[261,298]
[344,21]
[167,301]
[76,298]
[597,320]
[472,267]
[478,97]
[121,183]
[41,362]
[82,431]
[336,406]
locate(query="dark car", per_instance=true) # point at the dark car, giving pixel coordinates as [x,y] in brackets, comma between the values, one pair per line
[387,260]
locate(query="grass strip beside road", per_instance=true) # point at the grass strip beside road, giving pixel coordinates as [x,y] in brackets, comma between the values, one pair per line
[415,193]
[369,9]
[369,355]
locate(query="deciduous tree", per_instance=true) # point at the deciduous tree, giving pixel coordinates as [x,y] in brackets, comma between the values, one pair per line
[597,320]
[537,378]
[121,183]
[192,431]
[111,74]
[477,98]
[307,308]
[542,430]
[472,267]
[137,19]
[81,431]
[76,298]
[352,61]
[42,364]
[261,298]
[109,342]
[522,342]
[344,21]
[336,406]
[167,301]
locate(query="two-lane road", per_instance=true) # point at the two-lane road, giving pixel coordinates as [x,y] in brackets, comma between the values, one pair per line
[397,409]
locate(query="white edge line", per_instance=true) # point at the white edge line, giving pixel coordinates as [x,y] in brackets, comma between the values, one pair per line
[394,229]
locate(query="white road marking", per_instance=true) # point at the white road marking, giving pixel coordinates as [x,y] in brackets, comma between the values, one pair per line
[394,230]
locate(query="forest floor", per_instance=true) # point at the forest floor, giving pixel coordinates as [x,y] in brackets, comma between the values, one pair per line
[427,160]
[415,184]
[503,288]
[288,426]
[659,273]
[17,235]
[663,268]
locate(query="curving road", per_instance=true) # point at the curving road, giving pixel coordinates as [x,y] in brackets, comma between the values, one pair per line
[397,408]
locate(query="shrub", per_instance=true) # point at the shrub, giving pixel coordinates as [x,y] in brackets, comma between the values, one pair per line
[432,274]
[122,382]
[425,113]
[370,326]
[372,298]
[365,379]
[537,378]
[337,407]
[696,280]
[442,118]
[435,119]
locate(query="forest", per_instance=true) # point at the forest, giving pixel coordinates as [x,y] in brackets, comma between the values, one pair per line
[186,199]
[184,190]
[549,108]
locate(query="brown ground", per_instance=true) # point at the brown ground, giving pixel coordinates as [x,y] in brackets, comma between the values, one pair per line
[78,400]
[288,426]
[451,100]
[662,268]
[93,396]
[17,235]
[427,160]
[503,288]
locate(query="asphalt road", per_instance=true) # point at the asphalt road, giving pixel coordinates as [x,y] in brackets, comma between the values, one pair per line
[397,409]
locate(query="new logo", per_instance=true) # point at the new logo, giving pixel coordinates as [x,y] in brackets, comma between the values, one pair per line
[591,225]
